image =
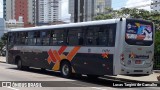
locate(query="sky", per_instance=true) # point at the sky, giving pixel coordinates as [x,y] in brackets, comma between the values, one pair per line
[116,4]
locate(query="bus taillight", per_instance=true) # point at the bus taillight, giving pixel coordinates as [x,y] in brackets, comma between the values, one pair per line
[122,57]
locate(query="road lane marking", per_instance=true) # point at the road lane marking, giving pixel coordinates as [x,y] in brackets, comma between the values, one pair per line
[88,86]
[99,88]
[12,88]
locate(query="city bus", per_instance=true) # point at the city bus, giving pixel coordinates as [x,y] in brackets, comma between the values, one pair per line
[95,48]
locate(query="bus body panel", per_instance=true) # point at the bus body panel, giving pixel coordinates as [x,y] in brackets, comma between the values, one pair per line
[118,47]
[85,61]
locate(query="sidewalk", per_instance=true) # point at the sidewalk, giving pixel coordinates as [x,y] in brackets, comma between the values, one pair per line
[149,78]
[157,71]
[2,59]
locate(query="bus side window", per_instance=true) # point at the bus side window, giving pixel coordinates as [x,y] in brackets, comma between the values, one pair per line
[26,38]
[111,35]
[11,39]
[80,40]
[75,36]
[53,38]
[61,37]
[30,38]
[101,35]
[91,35]
[44,37]
[17,38]
[23,36]
[58,37]
[37,38]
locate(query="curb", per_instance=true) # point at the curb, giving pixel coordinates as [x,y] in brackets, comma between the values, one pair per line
[2,62]
[132,81]
[156,71]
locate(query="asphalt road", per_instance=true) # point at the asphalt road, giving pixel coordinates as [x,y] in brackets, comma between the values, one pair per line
[52,81]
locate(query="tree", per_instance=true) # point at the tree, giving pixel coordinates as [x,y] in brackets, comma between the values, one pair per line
[3,40]
[157,42]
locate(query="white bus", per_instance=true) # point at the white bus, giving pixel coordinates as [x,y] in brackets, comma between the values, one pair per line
[95,48]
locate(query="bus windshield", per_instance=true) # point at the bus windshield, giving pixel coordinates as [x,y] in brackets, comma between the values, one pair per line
[139,32]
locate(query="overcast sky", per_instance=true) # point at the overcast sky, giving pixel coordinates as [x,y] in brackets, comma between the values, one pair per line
[116,4]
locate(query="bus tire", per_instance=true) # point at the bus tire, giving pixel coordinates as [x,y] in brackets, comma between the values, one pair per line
[93,76]
[66,70]
[19,64]
[43,69]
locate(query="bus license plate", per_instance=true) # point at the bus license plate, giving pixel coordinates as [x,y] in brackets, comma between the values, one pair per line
[138,62]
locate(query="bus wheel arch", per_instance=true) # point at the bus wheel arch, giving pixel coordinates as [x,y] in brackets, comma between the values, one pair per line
[65,68]
[17,58]
[18,62]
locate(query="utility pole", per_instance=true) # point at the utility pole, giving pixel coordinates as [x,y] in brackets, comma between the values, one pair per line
[75,10]
[81,10]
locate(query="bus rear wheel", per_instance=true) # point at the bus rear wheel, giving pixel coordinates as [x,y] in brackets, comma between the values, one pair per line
[66,70]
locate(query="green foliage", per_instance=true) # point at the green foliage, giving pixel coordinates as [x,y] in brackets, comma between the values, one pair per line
[3,40]
[157,42]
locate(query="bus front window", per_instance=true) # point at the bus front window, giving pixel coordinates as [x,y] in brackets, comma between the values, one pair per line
[139,33]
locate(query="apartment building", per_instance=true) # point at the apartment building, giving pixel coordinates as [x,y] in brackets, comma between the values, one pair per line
[48,11]
[85,10]
[32,12]
[16,9]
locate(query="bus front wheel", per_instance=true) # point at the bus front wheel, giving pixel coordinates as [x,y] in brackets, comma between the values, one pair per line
[66,69]
[19,65]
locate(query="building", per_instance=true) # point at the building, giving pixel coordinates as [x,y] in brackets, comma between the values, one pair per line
[48,11]
[33,12]
[11,24]
[8,9]
[85,10]
[2,27]
[21,10]
[155,5]
[101,5]
[15,9]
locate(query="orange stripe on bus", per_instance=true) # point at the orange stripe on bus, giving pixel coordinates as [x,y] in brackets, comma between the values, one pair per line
[56,55]
[73,53]
[61,50]
[49,60]
[51,55]
[56,66]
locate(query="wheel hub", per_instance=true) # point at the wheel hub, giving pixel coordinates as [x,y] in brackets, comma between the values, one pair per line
[65,70]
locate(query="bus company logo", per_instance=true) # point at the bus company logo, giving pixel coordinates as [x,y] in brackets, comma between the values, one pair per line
[132,55]
[56,57]
[105,55]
